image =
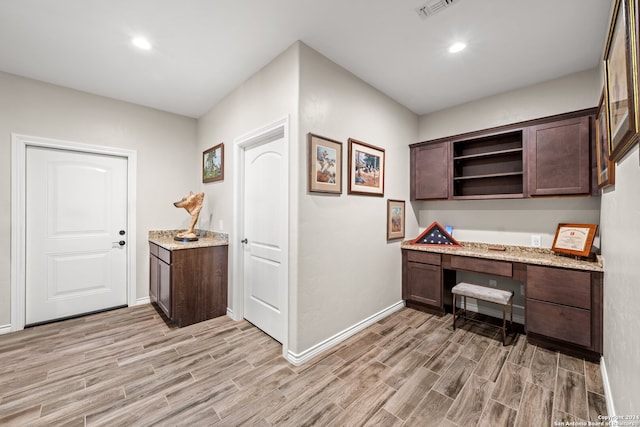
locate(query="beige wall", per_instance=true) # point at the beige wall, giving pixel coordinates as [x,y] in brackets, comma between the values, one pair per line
[165,144]
[512,221]
[269,95]
[620,230]
[347,271]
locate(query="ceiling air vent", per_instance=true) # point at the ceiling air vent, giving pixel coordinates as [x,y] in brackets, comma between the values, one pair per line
[433,7]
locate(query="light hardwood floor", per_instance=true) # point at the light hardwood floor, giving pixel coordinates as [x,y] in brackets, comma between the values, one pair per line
[127,367]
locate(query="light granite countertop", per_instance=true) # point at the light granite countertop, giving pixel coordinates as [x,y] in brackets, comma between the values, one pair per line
[165,239]
[522,254]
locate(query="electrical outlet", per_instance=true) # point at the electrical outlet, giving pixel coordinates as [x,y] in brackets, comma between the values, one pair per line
[535,240]
[493,283]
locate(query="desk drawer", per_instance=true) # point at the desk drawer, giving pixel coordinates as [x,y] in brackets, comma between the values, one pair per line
[423,257]
[568,287]
[478,265]
[164,255]
[560,322]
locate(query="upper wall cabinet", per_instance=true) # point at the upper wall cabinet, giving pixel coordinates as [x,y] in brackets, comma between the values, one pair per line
[559,158]
[544,157]
[430,171]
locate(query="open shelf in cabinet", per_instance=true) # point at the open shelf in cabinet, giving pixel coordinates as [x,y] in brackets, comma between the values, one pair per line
[491,165]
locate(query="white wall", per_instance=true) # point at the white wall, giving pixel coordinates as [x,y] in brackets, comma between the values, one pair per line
[347,271]
[620,223]
[512,221]
[269,95]
[165,145]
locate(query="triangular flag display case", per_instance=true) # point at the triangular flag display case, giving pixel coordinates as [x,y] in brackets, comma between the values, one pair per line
[436,235]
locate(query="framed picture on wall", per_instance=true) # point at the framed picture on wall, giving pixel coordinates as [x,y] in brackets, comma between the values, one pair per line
[395,219]
[606,168]
[213,164]
[325,165]
[620,80]
[366,169]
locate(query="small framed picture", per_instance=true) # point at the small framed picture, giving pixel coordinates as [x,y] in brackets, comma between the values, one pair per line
[325,165]
[366,169]
[395,219]
[213,164]
[574,239]
[606,168]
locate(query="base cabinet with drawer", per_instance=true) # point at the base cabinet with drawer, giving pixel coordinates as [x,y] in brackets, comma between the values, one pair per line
[564,309]
[422,281]
[189,285]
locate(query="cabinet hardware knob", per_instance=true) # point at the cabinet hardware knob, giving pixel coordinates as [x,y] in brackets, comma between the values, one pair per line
[245,240]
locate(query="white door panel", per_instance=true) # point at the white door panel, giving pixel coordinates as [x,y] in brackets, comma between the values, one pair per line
[76,206]
[265,225]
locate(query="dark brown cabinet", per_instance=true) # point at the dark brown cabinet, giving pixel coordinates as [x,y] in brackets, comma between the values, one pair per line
[189,285]
[430,169]
[558,157]
[422,281]
[564,308]
[545,157]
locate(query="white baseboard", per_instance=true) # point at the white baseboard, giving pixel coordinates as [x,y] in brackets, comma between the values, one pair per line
[5,329]
[143,300]
[230,313]
[300,358]
[611,410]
[494,311]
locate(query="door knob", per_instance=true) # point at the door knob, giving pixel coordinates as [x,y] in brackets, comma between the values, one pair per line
[245,240]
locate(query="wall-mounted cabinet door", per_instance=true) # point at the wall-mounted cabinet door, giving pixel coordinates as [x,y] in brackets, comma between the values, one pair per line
[430,171]
[558,157]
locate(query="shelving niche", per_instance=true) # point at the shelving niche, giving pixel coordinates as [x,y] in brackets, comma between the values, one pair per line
[490,166]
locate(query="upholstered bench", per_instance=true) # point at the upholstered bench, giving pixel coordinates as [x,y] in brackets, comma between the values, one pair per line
[483,293]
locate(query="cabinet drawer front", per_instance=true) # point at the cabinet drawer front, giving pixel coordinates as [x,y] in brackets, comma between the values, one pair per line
[164,255]
[499,268]
[568,287]
[153,249]
[560,322]
[423,257]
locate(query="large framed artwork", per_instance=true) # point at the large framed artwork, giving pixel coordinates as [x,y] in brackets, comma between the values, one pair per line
[213,164]
[366,169]
[325,165]
[606,168]
[620,80]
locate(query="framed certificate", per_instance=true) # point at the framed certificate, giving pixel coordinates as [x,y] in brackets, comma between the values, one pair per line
[574,239]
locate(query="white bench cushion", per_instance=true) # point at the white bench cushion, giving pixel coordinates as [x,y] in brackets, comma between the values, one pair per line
[482,293]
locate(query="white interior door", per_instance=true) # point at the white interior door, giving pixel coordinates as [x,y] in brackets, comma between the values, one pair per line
[76,233]
[265,232]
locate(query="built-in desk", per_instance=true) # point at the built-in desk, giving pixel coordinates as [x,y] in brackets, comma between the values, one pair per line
[563,296]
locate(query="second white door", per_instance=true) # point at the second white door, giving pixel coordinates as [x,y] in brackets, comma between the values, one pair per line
[265,232]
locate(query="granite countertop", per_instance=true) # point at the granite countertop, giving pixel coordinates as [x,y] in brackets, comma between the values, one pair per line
[523,254]
[164,238]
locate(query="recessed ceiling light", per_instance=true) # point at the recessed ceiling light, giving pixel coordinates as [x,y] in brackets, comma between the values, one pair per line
[457,47]
[141,42]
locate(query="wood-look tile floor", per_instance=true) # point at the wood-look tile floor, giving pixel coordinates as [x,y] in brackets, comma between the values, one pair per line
[128,368]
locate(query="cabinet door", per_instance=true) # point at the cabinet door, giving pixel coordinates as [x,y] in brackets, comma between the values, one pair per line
[424,284]
[154,276]
[164,288]
[430,171]
[558,157]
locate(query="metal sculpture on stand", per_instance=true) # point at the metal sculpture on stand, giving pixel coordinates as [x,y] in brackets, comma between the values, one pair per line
[192,204]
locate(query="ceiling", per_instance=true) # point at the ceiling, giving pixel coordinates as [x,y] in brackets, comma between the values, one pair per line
[203,49]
